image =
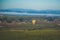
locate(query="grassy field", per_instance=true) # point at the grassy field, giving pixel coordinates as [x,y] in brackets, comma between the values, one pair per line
[30,35]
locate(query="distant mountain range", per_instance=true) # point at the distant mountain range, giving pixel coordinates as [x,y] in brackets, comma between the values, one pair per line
[31,11]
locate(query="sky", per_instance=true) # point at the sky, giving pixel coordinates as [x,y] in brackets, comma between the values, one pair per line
[30,4]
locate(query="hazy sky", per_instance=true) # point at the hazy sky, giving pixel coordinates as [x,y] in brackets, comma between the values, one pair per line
[30,4]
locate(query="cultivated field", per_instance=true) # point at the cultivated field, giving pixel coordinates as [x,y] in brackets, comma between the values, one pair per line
[30,35]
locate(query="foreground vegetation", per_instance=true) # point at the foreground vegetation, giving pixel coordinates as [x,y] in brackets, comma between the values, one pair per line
[30,35]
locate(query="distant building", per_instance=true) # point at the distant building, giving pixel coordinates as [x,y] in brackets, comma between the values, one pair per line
[33,22]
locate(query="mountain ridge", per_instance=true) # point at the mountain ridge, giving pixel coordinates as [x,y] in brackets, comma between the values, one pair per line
[31,11]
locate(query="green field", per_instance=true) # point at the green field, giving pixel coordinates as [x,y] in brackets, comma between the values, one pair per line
[30,35]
